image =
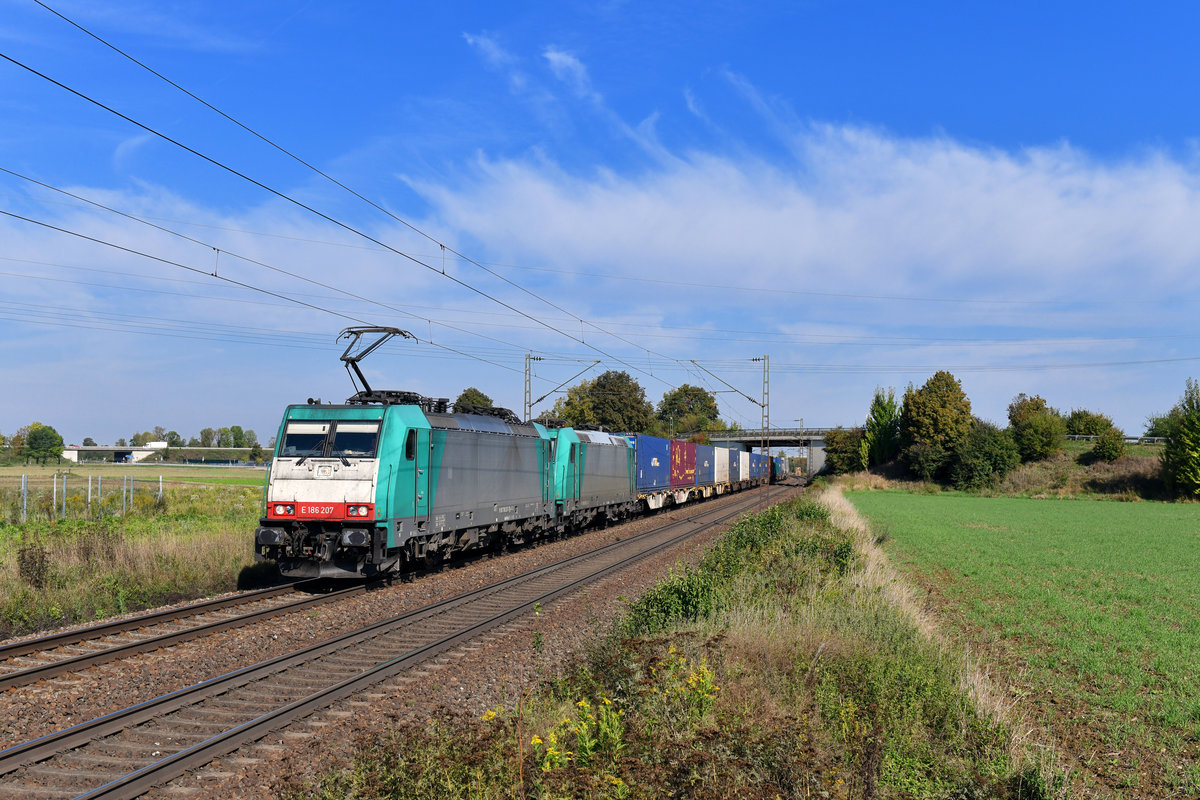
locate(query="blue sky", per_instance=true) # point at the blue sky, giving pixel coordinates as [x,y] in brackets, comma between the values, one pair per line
[866,192]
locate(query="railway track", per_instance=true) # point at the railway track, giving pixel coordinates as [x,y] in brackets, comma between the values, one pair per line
[125,753]
[31,660]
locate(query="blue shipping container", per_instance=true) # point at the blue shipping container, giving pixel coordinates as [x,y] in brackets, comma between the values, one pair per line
[705,464]
[653,462]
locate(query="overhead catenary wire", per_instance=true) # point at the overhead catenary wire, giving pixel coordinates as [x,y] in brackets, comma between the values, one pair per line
[233,254]
[280,148]
[214,276]
[332,220]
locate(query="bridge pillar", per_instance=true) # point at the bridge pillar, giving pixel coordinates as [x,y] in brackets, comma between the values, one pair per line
[816,459]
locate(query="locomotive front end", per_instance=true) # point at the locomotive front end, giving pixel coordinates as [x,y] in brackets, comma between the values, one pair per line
[322,515]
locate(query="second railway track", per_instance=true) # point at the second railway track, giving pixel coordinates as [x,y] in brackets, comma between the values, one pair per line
[31,660]
[124,753]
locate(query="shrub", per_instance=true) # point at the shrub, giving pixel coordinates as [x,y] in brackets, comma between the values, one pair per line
[1181,455]
[844,450]
[1039,436]
[1081,422]
[1038,430]
[983,458]
[1109,446]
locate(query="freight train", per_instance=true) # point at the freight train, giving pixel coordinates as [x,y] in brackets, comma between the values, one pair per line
[392,479]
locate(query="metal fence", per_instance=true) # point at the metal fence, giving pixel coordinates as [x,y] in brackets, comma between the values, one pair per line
[70,496]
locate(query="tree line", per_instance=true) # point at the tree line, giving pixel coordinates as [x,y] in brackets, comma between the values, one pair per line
[931,434]
[616,402]
[39,442]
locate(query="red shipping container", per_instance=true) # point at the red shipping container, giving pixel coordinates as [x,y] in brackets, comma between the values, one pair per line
[683,464]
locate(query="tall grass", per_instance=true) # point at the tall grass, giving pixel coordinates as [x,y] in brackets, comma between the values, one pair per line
[67,572]
[788,663]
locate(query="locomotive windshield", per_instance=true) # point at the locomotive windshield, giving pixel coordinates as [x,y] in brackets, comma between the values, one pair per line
[334,439]
[354,439]
[304,439]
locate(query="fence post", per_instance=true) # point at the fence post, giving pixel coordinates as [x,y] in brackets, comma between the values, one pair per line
[160,489]
[64,503]
[24,496]
[89,495]
[54,495]
[124,480]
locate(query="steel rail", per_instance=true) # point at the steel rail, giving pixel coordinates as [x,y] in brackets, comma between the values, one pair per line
[202,752]
[50,669]
[77,635]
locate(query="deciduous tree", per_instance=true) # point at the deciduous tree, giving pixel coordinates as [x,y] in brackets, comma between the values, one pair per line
[208,437]
[933,421]
[613,401]
[688,409]
[43,443]
[473,397]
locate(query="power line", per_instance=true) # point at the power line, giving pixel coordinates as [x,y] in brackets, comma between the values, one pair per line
[310,209]
[256,262]
[224,278]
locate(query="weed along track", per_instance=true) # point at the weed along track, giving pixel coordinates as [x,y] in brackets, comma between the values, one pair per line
[25,662]
[124,753]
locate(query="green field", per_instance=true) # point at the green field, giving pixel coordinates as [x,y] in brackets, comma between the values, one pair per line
[1088,611]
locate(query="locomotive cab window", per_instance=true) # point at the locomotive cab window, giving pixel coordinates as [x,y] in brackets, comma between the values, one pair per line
[302,439]
[353,439]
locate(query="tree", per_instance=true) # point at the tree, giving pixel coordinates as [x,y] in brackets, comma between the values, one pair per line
[256,452]
[251,438]
[613,401]
[173,439]
[473,397]
[141,439]
[1037,429]
[16,442]
[160,433]
[882,431]
[89,442]
[1081,422]
[843,450]
[237,436]
[208,437]
[1159,425]
[1180,457]
[42,443]
[933,421]
[121,442]
[984,457]
[193,442]
[224,437]
[687,409]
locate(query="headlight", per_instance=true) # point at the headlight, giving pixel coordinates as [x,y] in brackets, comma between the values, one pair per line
[284,509]
[358,511]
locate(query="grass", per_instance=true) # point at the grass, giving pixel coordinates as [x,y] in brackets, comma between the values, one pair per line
[788,663]
[1090,609]
[197,541]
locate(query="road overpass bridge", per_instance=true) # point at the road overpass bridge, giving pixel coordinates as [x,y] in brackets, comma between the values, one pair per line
[813,439]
